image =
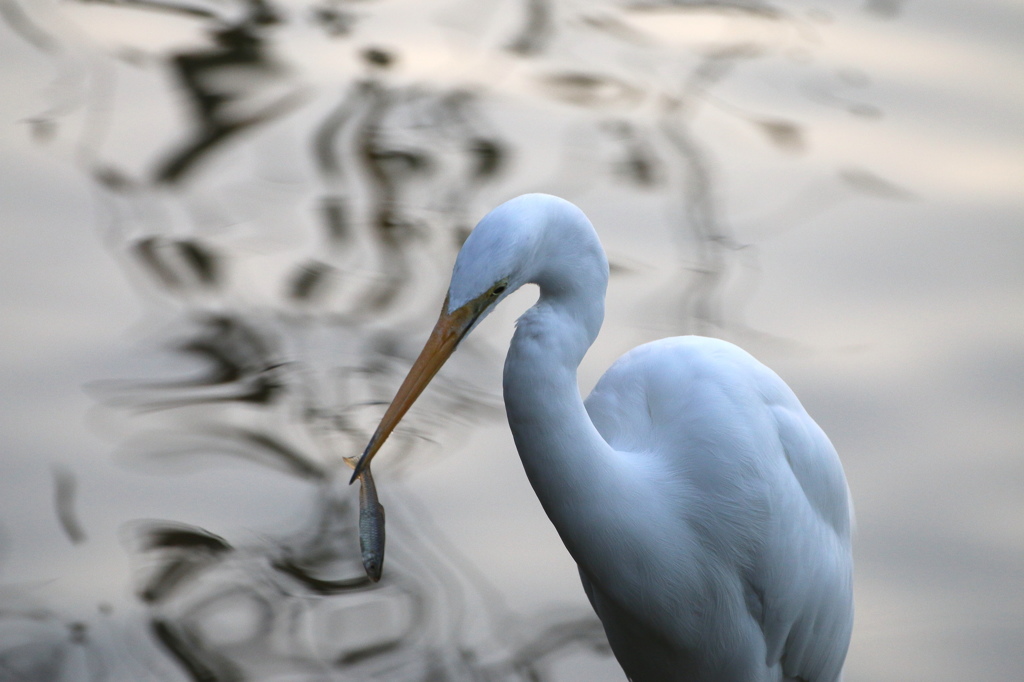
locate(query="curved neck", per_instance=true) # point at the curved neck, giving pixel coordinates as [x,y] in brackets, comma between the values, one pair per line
[571,467]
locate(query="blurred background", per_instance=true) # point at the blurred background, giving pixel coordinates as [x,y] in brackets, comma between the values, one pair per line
[228,226]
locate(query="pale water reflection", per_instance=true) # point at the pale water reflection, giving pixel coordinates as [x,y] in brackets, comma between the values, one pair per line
[229,224]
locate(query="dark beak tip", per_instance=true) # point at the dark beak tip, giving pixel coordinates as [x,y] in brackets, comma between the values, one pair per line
[357,470]
[363,461]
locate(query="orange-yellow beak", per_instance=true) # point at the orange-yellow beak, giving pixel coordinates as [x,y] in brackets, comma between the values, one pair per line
[448,331]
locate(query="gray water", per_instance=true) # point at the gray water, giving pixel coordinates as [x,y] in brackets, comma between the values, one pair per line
[228,227]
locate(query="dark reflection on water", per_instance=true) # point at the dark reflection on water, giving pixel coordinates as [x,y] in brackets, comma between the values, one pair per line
[239,51]
[65,487]
[288,368]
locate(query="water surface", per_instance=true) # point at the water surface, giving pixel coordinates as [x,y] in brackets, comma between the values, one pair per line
[228,228]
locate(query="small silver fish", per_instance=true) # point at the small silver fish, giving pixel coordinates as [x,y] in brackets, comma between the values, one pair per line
[371,524]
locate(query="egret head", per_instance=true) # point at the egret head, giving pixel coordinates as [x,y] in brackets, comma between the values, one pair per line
[504,251]
[499,251]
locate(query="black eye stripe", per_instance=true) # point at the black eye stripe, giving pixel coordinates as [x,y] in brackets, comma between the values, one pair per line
[498,289]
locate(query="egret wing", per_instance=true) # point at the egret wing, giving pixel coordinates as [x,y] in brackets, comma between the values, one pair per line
[786,521]
[806,572]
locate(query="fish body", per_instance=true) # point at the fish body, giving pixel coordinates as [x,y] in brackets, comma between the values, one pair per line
[371,525]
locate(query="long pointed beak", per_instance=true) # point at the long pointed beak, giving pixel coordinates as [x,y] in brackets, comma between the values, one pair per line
[448,331]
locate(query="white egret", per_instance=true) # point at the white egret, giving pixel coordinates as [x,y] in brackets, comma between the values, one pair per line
[708,513]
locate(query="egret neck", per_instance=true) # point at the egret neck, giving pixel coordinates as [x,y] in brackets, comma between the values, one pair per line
[575,473]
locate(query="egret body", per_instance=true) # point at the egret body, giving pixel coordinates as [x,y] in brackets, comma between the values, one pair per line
[708,513]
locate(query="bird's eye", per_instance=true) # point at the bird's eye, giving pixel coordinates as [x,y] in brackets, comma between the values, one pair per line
[499,289]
